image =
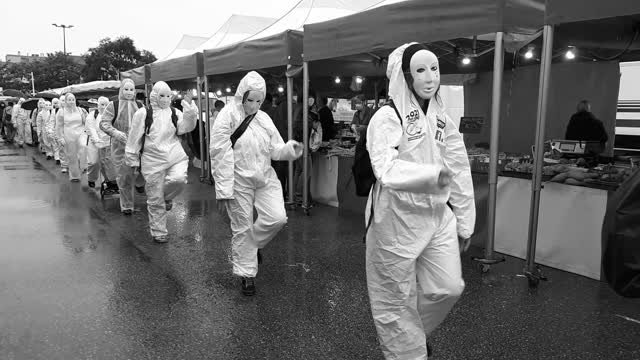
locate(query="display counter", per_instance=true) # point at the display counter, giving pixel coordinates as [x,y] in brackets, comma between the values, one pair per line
[570,222]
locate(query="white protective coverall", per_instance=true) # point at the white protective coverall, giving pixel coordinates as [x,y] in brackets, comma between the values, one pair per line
[51,128]
[414,234]
[163,162]
[19,119]
[46,129]
[118,131]
[60,145]
[98,150]
[244,175]
[70,122]
[39,124]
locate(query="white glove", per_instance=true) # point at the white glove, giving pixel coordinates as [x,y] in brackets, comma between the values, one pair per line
[120,136]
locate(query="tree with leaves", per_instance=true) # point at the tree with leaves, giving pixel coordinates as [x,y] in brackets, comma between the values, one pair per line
[54,71]
[111,57]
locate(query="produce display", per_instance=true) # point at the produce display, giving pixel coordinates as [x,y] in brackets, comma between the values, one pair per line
[337,147]
[576,171]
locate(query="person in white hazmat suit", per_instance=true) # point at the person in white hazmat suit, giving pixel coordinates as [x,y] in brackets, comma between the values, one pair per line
[98,150]
[39,124]
[414,274]
[46,129]
[117,126]
[19,119]
[70,122]
[51,127]
[159,154]
[244,178]
[62,153]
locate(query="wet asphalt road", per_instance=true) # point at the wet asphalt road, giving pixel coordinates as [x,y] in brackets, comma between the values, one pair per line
[80,281]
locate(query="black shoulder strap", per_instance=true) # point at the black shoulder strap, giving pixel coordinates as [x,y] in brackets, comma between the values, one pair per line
[241,129]
[371,214]
[148,121]
[95,113]
[393,106]
[174,118]
[116,104]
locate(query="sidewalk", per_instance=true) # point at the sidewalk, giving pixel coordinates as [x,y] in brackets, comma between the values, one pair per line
[312,300]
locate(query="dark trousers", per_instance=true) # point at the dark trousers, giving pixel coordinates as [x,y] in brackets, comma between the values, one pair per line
[282,171]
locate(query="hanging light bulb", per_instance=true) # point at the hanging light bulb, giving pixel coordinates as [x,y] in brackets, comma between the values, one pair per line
[280,89]
[219,92]
[228,90]
[338,80]
[466,60]
[529,53]
[359,80]
[571,53]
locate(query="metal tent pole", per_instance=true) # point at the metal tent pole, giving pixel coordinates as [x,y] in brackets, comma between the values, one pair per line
[290,135]
[532,272]
[207,131]
[200,127]
[305,136]
[498,70]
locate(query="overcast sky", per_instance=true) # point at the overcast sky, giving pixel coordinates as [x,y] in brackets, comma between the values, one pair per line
[156,26]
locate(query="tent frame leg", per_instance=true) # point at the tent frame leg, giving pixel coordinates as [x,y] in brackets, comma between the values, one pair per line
[291,198]
[532,271]
[498,70]
[305,137]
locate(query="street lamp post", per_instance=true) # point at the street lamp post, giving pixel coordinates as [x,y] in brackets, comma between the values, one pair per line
[64,35]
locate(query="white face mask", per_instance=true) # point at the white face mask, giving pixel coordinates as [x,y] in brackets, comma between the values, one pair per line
[70,101]
[102,106]
[164,99]
[129,91]
[425,71]
[311,101]
[253,103]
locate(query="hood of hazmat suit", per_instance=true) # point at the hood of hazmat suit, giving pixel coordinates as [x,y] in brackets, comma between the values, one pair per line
[413,264]
[162,147]
[71,118]
[248,163]
[127,107]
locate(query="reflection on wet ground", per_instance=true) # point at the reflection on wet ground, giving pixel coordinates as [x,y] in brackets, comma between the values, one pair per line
[79,280]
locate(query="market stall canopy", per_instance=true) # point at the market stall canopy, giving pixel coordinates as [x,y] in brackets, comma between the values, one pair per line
[185,67]
[237,28]
[139,75]
[92,88]
[186,46]
[14,93]
[276,50]
[279,44]
[596,30]
[565,11]
[313,11]
[48,95]
[382,29]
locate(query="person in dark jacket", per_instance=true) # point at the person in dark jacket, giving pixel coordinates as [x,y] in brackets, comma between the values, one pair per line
[584,126]
[326,120]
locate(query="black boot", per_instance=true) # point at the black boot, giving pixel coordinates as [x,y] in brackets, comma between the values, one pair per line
[248,286]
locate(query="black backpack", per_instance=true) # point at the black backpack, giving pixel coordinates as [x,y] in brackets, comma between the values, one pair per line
[148,121]
[363,175]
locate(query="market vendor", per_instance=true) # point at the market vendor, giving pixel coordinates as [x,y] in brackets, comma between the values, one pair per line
[584,126]
[362,116]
